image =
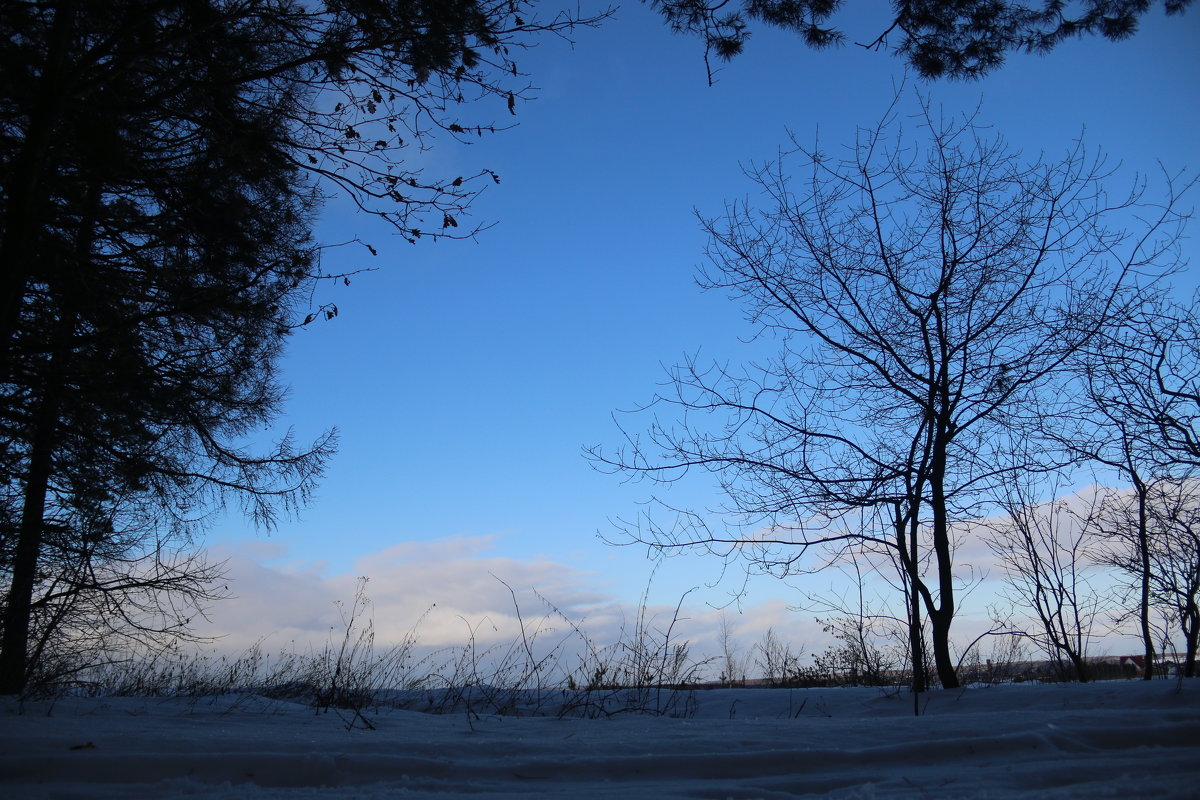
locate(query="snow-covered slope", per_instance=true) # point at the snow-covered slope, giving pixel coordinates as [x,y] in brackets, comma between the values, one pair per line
[1117,739]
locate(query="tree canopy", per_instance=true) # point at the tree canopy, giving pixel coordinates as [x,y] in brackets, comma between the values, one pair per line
[938,38]
[161,165]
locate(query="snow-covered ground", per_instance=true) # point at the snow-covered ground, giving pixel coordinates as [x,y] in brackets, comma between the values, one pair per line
[1115,739]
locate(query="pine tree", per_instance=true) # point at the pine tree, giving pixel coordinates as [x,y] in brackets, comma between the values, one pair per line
[160,167]
[938,38]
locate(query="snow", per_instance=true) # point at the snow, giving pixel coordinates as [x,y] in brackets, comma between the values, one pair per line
[1112,739]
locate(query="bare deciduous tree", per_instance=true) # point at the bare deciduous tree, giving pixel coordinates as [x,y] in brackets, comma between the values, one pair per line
[1153,536]
[1175,510]
[1139,415]
[776,660]
[141,595]
[732,669]
[925,296]
[1047,553]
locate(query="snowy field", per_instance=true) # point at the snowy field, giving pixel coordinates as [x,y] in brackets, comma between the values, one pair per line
[1115,739]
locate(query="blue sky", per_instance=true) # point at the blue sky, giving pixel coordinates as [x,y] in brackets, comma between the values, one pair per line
[465,377]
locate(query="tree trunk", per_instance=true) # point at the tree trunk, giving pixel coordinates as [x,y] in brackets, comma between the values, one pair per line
[908,559]
[943,662]
[43,442]
[1077,661]
[1191,633]
[916,642]
[26,195]
[14,648]
[1143,532]
[941,618]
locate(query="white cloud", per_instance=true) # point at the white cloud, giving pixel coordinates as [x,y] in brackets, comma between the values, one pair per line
[450,592]
[453,590]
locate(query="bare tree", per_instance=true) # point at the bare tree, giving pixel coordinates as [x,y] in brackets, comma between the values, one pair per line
[776,660]
[925,297]
[1153,536]
[1046,551]
[866,633]
[96,609]
[732,669]
[1144,374]
[1139,415]
[1175,510]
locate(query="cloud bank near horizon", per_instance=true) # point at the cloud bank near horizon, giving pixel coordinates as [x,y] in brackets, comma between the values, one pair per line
[448,593]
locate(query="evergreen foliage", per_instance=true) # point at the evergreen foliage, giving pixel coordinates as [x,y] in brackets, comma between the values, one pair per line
[161,163]
[938,38]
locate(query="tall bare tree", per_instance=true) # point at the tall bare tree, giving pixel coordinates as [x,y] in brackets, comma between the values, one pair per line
[1139,414]
[1175,556]
[925,295]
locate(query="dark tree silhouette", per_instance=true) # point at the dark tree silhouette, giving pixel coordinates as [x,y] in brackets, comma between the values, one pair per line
[1048,555]
[938,38]
[926,298]
[1152,535]
[161,162]
[1175,514]
[1141,411]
